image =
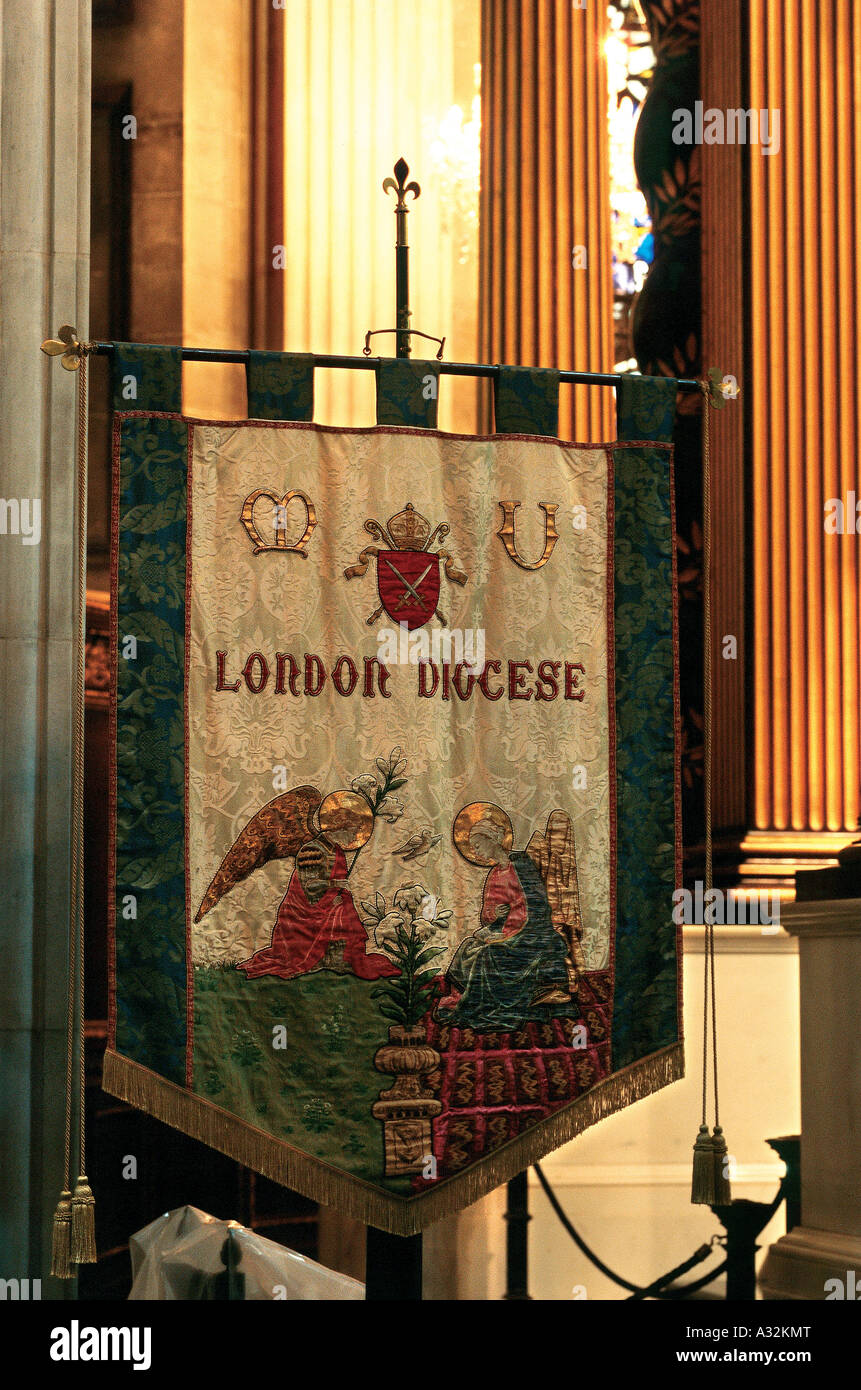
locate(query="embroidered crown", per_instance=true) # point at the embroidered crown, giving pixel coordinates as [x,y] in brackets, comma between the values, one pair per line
[408,529]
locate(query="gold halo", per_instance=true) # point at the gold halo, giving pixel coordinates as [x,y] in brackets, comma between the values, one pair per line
[346,819]
[468,818]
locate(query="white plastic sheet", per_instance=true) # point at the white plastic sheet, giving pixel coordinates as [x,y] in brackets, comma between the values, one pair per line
[172,1257]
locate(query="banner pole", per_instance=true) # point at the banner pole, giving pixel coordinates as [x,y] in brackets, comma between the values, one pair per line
[399,186]
[393,1267]
[368,363]
[517,1238]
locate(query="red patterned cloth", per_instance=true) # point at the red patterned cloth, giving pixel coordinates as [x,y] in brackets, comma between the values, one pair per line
[493,1086]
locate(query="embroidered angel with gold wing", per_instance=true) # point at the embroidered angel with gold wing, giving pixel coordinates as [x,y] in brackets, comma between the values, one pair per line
[317,926]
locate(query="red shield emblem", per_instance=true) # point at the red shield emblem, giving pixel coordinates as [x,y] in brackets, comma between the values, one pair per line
[408,583]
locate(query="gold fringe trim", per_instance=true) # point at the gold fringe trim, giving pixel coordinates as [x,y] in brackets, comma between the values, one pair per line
[320,1182]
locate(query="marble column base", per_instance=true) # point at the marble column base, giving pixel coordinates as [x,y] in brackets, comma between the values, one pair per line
[798,1265]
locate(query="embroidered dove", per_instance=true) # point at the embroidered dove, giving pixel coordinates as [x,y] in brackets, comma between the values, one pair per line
[418,846]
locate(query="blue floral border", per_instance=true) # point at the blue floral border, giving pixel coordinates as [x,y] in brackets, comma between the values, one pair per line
[149,964]
[646,990]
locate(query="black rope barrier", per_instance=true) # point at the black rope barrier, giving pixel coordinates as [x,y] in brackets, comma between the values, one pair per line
[657,1289]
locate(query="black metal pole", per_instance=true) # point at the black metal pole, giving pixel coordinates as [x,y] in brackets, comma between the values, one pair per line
[399,186]
[743,1221]
[741,1251]
[517,1238]
[788,1147]
[393,1266]
[370,364]
[402,290]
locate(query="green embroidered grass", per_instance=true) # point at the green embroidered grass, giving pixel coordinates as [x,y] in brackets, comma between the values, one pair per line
[316,1092]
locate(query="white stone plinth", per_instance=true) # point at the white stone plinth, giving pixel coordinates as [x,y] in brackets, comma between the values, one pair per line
[828,1243]
[800,1264]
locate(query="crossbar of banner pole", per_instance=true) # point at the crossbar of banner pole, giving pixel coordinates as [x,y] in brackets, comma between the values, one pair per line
[369,364]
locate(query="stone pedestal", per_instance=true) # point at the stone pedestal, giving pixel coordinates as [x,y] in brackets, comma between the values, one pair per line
[827,1245]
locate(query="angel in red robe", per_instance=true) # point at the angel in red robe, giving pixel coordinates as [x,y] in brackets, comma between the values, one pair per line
[317,927]
[317,924]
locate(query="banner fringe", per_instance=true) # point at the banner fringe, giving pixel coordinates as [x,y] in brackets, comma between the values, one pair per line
[402,1216]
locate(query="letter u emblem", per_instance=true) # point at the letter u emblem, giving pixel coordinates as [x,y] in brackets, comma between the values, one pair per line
[506,534]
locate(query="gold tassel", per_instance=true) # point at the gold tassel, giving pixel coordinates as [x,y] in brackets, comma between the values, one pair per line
[703,1180]
[61,1239]
[83,1243]
[723,1196]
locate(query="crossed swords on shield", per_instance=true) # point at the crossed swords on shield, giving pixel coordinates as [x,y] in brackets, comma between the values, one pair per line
[408,573]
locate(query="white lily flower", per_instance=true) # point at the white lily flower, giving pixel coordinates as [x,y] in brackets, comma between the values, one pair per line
[386,930]
[409,897]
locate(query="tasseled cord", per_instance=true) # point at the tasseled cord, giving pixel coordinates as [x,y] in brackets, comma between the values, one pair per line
[83,1223]
[723,1195]
[703,1180]
[61,1243]
[73,1238]
[710,1184]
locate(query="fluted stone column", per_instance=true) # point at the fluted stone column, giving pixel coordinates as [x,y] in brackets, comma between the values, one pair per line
[546,295]
[782,314]
[44,267]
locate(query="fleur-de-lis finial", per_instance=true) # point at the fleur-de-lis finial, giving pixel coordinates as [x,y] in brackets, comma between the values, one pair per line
[399,186]
[67,344]
[720,388]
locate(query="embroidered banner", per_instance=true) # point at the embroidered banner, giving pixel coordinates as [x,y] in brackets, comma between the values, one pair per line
[396,799]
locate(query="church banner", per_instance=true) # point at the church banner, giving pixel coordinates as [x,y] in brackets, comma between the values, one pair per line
[395,799]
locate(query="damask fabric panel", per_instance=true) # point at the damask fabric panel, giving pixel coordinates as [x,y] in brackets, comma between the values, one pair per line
[395,801]
[280,385]
[526,400]
[646,407]
[146,377]
[407,392]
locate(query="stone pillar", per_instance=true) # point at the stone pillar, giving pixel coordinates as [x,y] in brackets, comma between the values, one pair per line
[546,297]
[217,123]
[804,424]
[722,50]
[783,315]
[365,84]
[44,264]
[827,1245]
